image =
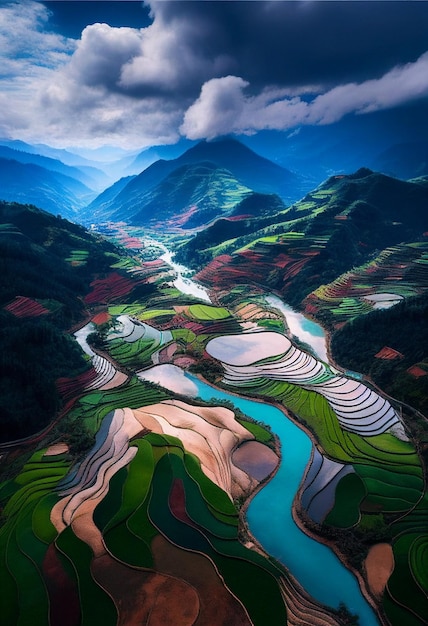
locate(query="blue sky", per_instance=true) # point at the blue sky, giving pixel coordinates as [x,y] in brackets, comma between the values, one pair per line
[137,74]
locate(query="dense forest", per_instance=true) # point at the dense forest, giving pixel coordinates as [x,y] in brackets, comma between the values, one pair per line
[41,297]
[33,355]
[402,328]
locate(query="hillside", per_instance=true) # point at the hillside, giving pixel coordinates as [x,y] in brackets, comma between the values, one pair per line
[256,211]
[98,209]
[191,196]
[255,171]
[246,167]
[356,243]
[145,467]
[53,191]
[391,346]
[47,265]
[89,176]
[339,225]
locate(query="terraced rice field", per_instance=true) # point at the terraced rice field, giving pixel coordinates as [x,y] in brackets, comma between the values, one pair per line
[78,257]
[272,356]
[108,377]
[105,290]
[134,343]
[146,512]
[144,525]
[398,271]
[370,473]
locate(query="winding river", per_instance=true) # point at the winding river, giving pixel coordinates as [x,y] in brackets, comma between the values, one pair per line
[183,283]
[269,515]
[305,330]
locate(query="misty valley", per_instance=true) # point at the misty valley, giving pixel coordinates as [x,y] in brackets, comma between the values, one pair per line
[214,390]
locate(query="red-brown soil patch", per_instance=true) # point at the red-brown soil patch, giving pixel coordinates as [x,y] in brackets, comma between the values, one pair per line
[109,288]
[26,307]
[166,354]
[70,388]
[177,503]
[184,361]
[101,318]
[237,218]
[217,604]
[146,597]
[379,565]
[180,220]
[388,354]
[417,371]
[64,603]
[132,243]
[155,263]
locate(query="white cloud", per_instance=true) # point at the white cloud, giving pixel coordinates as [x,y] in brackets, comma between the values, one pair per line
[101,54]
[169,61]
[134,86]
[23,36]
[129,86]
[217,110]
[66,92]
[224,107]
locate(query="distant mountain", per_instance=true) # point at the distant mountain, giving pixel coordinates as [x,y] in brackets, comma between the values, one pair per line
[353,142]
[65,156]
[95,173]
[99,208]
[405,160]
[254,171]
[190,196]
[251,170]
[89,176]
[147,157]
[31,184]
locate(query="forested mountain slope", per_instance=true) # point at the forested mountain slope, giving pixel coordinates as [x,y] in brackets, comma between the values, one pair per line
[46,267]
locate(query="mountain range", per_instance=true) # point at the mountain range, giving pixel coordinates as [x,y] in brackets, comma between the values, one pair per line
[180,185]
[92,189]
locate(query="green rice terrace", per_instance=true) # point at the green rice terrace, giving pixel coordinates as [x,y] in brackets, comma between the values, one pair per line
[127,503]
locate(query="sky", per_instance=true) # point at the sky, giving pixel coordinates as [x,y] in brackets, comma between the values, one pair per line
[134,74]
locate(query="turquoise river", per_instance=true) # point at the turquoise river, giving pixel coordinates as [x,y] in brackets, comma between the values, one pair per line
[269,515]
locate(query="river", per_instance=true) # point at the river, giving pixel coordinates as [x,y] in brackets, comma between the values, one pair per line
[183,283]
[269,515]
[270,520]
[305,330]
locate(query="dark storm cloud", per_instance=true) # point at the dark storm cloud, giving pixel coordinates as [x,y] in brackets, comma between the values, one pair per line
[203,68]
[298,43]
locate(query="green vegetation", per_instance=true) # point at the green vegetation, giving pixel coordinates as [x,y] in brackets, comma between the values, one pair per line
[402,328]
[326,253]
[205,312]
[191,195]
